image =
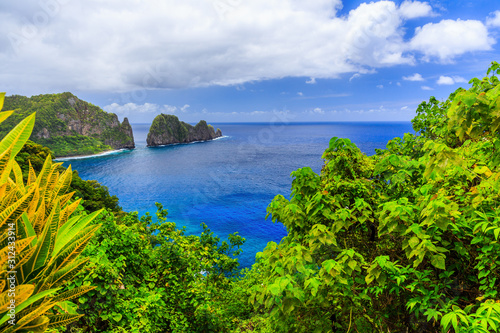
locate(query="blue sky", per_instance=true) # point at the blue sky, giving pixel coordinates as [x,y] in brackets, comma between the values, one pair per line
[239,61]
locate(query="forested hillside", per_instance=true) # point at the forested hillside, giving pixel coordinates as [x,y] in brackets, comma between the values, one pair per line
[68,125]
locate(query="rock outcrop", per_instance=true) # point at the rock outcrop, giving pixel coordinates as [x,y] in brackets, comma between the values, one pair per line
[68,125]
[168,129]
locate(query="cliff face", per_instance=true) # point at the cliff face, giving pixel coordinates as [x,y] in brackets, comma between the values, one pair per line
[68,125]
[168,129]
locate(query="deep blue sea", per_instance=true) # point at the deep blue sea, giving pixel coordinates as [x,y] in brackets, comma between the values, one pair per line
[226,183]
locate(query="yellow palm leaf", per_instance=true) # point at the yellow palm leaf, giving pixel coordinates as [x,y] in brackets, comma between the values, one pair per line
[65,274]
[2,98]
[5,114]
[20,294]
[18,174]
[73,293]
[18,136]
[19,246]
[62,320]
[37,325]
[70,252]
[5,166]
[15,210]
[29,317]
[31,174]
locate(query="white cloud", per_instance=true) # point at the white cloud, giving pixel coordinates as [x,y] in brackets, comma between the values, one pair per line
[414,77]
[380,86]
[300,93]
[450,38]
[318,111]
[404,108]
[131,45]
[133,108]
[414,9]
[311,81]
[355,76]
[494,19]
[448,80]
[427,88]
[146,108]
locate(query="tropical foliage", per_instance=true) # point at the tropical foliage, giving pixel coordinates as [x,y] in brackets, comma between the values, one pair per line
[405,240]
[40,240]
[152,277]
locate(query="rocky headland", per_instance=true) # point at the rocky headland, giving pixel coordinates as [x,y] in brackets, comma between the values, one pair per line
[168,129]
[68,125]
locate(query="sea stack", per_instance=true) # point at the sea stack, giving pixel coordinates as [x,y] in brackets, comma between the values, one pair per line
[167,129]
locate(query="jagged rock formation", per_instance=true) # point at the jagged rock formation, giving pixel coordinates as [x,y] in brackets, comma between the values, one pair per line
[168,129]
[68,125]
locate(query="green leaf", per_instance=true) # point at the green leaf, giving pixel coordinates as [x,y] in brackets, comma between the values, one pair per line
[116,316]
[438,261]
[28,302]
[18,136]
[2,98]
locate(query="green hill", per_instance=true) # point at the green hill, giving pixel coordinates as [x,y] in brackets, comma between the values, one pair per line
[68,125]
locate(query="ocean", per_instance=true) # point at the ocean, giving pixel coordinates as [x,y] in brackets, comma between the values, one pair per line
[226,183]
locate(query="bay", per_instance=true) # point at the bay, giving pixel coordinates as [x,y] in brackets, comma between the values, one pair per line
[226,183]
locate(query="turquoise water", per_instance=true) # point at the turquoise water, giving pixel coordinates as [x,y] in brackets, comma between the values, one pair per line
[226,183]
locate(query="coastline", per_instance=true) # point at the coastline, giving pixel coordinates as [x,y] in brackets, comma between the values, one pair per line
[188,143]
[101,154]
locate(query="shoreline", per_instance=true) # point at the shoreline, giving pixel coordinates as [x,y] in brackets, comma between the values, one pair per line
[104,153]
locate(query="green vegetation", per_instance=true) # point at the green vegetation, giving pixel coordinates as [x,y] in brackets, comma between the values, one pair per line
[74,145]
[41,240]
[406,240]
[151,277]
[170,124]
[69,126]
[95,196]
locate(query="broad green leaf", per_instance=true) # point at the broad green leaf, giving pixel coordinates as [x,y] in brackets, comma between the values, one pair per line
[438,261]
[28,302]
[4,115]
[18,136]
[62,320]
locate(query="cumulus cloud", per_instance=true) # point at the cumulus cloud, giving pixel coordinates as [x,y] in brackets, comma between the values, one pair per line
[311,81]
[129,45]
[426,88]
[494,19]
[414,77]
[449,38]
[414,9]
[146,108]
[448,80]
